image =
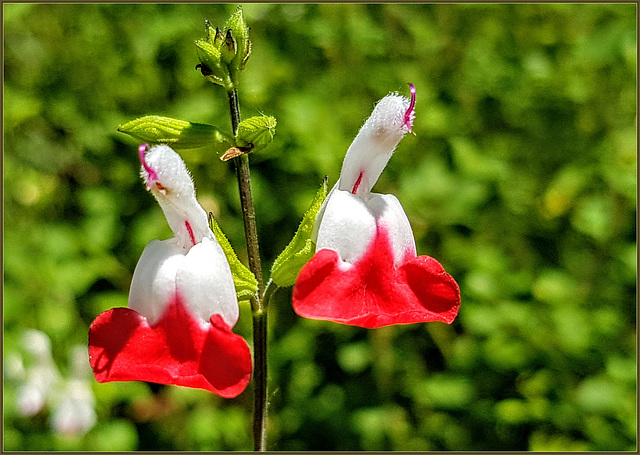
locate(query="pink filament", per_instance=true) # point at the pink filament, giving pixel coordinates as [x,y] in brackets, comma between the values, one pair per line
[357,184]
[407,114]
[151,173]
[190,231]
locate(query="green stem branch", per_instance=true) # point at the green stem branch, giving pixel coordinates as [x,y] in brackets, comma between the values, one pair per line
[258,306]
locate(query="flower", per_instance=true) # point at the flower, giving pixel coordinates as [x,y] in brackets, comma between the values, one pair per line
[74,411]
[366,271]
[39,379]
[69,399]
[182,301]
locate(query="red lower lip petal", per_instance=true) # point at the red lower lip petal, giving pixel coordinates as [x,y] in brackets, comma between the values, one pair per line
[176,350]
[373,293]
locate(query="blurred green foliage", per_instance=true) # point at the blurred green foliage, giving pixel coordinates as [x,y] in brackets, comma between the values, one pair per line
[520,179]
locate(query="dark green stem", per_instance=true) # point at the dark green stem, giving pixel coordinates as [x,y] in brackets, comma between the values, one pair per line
[249,216]
[259,379]
[257,306]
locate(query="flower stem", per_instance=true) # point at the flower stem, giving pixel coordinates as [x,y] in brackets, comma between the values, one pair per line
[249,216]
[257,306]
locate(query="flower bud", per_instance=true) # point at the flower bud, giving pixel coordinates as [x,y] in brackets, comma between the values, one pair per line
[211,65]
[214,36]
[237,27]
[228,48]
[224,53]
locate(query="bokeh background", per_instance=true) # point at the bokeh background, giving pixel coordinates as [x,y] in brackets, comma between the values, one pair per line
[520,179]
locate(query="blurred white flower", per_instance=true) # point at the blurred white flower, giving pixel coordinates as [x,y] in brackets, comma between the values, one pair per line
[40,377]
[40,384]
[74,412]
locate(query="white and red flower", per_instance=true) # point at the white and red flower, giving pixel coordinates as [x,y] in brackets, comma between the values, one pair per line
[366,271]
[182,302]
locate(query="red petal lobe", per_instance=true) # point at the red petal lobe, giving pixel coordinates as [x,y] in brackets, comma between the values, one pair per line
[177,350]
[373,293]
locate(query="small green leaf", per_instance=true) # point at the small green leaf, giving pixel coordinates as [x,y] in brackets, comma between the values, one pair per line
[179,134]
[301,248]
[256,132]
[243,279]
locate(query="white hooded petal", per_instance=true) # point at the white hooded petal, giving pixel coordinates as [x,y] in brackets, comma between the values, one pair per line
[169,180]
[154,279]
[346,226]
[390,215]
[375,143]
[190,266]
[205,283]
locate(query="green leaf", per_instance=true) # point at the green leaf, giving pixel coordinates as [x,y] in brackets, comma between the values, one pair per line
[301,248]
[243,279]
[256,132]
[179,134]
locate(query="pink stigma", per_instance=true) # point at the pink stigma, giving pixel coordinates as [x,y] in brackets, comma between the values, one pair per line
[152,175]
[408,116]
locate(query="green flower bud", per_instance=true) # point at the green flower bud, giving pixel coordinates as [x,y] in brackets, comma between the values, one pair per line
[240,32]
[301,249]
[223,54]
[179,134]
[228,48]
[214,35]
[211,64]
[243,279]
[256,132]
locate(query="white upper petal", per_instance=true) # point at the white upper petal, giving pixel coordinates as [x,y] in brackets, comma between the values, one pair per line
[375,143]
[346,226]
[190,265]
[174,190]
[169,169]
[206,284]
[201,277]
[350,217]
[390,214]
[154,279]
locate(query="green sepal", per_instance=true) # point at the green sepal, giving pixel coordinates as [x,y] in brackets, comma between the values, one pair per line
[211,65]
[301,249]
[244,281]
[239,32]
[228,48]
[179,134]
[256,132]
[224,53]
[214,35]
